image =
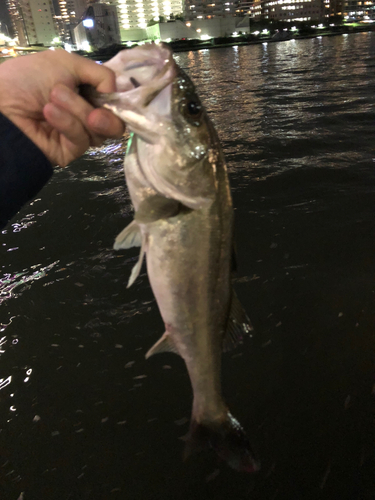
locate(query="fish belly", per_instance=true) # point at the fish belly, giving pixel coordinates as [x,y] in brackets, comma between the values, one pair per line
[191,286]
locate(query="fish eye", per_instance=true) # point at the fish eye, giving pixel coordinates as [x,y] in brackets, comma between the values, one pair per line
[192,110]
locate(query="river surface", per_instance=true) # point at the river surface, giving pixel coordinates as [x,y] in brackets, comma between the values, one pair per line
[84,416]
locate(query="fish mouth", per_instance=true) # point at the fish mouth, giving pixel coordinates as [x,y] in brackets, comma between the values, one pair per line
[141,65]
[142,74]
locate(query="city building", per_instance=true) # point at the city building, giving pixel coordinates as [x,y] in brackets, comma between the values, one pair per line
[71,12]
[201,9]
[243,7]
[359,10]
[301,10]
[136,15]
[290,10]
[98,28]
[18,26]
[32,21]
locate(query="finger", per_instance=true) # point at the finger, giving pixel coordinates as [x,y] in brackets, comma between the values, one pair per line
[77,138]
[104,123]
[101,77]
[65,98]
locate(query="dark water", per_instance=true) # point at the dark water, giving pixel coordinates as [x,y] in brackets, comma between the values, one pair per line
[84,416]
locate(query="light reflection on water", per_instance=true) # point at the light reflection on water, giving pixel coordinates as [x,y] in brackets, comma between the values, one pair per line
[297,130]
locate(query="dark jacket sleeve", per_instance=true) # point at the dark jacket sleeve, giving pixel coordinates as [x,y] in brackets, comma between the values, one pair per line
[24,170]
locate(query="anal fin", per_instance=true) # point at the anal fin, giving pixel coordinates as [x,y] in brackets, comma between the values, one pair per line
[238,325]
[164,344]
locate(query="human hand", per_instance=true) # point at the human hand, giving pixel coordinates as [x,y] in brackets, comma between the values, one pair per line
[38,93]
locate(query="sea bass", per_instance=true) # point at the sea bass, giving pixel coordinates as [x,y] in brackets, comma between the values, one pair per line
[178,183]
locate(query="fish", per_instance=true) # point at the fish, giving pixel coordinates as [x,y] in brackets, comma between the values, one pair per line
[183,223]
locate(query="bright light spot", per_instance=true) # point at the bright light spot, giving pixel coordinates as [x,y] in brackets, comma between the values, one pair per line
[86,46]
[293,29]
[5,51]
[264,32]
[205,37]
[52,48]
[68,47]
[256,32]
[56,40]
[4,383]
[188,25]
[199,30]
[320,25]
[88,23]
[168,40]
[129,44]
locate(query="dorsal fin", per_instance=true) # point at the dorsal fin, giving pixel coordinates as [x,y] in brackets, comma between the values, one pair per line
[238,325]
[164,344]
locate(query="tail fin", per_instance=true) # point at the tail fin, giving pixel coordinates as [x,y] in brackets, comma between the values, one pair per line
[227,439]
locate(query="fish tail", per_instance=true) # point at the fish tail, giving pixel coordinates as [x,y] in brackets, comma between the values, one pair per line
[227,438]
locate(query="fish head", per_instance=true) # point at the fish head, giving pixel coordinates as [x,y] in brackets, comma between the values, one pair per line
[140,64]
[179,160]
[174,141]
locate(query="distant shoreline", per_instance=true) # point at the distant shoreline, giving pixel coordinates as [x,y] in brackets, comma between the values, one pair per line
[194,45]
[218,43]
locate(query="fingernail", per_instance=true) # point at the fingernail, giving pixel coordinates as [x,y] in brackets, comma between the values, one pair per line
[102,124]
[62,95]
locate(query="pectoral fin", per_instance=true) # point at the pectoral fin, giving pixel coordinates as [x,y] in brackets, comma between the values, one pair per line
[130,237]
[238,325]
[156,207]
[164,344]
